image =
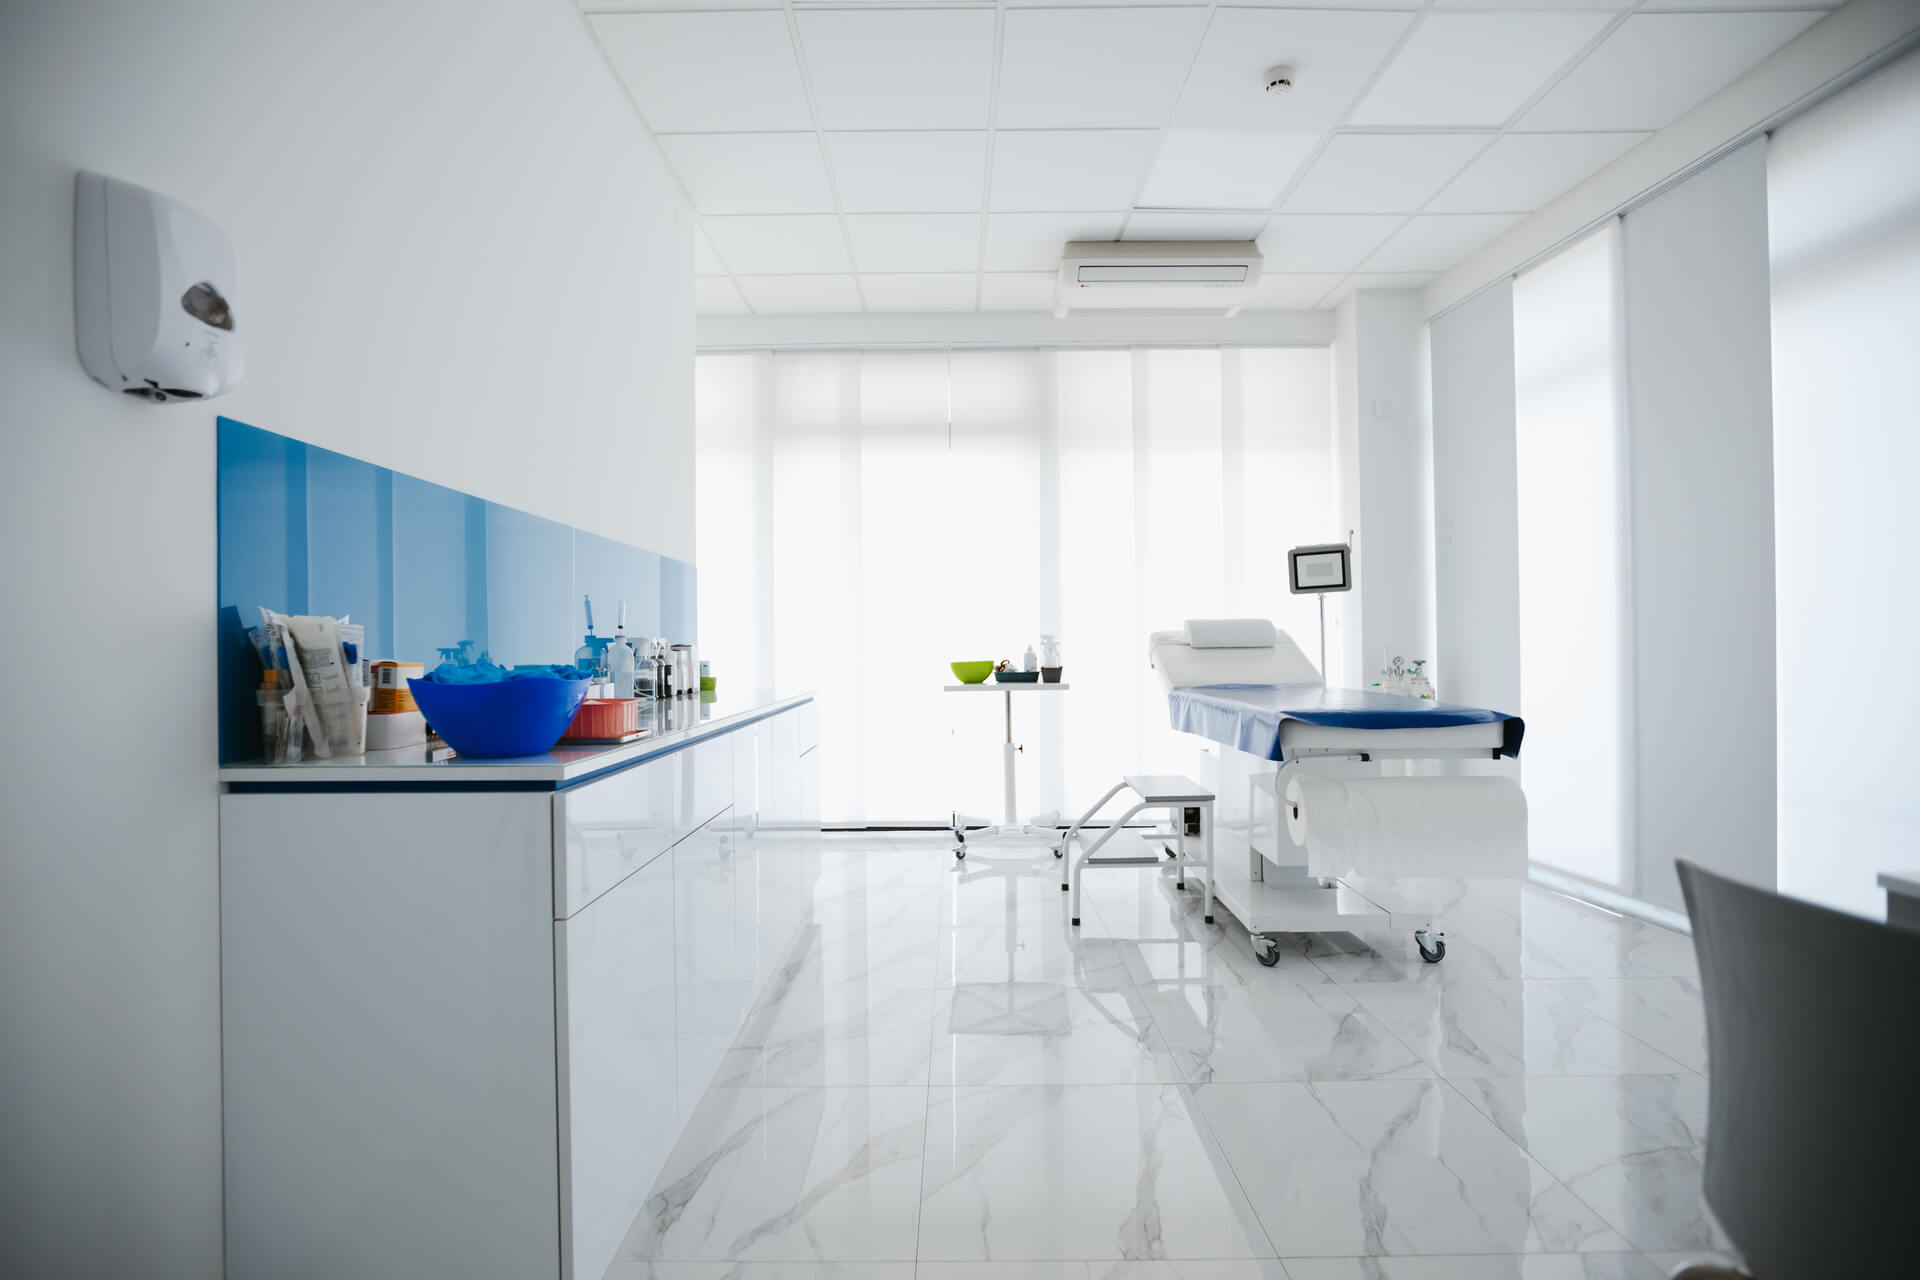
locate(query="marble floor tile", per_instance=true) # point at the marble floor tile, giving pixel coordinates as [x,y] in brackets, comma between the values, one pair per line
[1564,939]
[1632,1147]
[1076,1172]
[1220,956]
[1395,957]
[1670,1260]
[881,906]
[847,1037]
[1364,1167]
[1505,1029]
[971,956]
[1041,1033]
[1516,1266]
[882,959]
[1004,899]
[800,1174]
[1666,1013]
[1191,1269]
[1312,1032]
[636,1270]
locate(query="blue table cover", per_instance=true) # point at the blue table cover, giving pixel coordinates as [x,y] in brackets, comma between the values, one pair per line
[1249,716]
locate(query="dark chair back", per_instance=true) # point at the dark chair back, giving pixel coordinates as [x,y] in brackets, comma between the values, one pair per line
[1813,1119]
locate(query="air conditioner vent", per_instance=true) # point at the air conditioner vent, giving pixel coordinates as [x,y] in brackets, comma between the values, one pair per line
[1196,278]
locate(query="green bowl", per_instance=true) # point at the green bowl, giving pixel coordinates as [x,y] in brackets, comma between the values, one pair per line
[972,672]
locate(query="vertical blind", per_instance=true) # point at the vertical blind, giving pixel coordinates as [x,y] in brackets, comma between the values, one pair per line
[1569,456]
[864,519]
[1844,209]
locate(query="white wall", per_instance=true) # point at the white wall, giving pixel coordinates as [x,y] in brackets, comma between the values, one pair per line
[1383,474]
[1476,534]
[458,257]
[1846,311]
[1700,525]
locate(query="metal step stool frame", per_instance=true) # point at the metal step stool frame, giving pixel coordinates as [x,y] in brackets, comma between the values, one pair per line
[1186,803]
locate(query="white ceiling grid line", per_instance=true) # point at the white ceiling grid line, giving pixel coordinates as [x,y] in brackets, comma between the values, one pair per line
[1414,127]
[826,157]
[986,179]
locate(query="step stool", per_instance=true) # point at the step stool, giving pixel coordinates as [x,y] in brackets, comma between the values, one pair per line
[1189,808]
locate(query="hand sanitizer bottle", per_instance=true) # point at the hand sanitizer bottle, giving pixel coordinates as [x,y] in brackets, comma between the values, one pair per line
[1030,663]
[620,660]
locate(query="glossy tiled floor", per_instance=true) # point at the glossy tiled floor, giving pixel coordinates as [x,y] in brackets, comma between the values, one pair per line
[946,1082]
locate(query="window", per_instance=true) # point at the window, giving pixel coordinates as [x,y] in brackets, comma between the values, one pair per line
[867,518]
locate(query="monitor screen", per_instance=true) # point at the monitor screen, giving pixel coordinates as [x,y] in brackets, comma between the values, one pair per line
[1319,569]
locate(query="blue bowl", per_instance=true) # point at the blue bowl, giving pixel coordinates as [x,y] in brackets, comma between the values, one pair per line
[511,718]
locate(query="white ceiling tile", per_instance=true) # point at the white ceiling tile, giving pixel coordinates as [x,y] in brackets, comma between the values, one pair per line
[716,296]
[946,291]
[1436,241]
[1046,170]
[915,242]
[1224,168]
[1658,65]
[751,172]
[1474,68]
[790,295]
[909,172]
[1032,241]
[707,71]
[795,244]
[1332,55]
[1382,172]
[1522,171]
[1291,291]
[705,261]
[899,68]
[1096,68]
[1017,290]
[1156,224]
[1323,242]
[1378,280]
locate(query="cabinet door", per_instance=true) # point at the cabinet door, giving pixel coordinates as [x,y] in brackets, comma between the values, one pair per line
[606,830]
[713,980]
[619,1097]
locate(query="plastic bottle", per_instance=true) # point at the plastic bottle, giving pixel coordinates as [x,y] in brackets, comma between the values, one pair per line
[1030,663]
[620,660]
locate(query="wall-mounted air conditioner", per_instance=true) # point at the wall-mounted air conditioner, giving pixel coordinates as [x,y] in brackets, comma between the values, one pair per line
[1200,278]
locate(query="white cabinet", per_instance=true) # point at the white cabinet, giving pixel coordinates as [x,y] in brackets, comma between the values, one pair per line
[463,1028]
[619,1112]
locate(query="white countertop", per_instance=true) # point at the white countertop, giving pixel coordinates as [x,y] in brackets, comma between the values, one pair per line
[670,723]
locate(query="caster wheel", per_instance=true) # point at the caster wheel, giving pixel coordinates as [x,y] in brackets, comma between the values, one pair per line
[1266,951]
[1059,853]
[1076,922]
[960,854]
[1434,951]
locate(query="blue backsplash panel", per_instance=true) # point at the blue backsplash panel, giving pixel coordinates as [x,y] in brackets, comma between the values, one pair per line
[421,566]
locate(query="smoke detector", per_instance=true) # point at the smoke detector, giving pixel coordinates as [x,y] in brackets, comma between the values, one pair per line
[1278,79]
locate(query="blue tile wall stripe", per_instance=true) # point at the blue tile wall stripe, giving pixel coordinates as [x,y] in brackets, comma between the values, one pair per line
[421,566]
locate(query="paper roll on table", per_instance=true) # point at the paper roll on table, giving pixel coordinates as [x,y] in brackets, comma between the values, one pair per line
[1409,827]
